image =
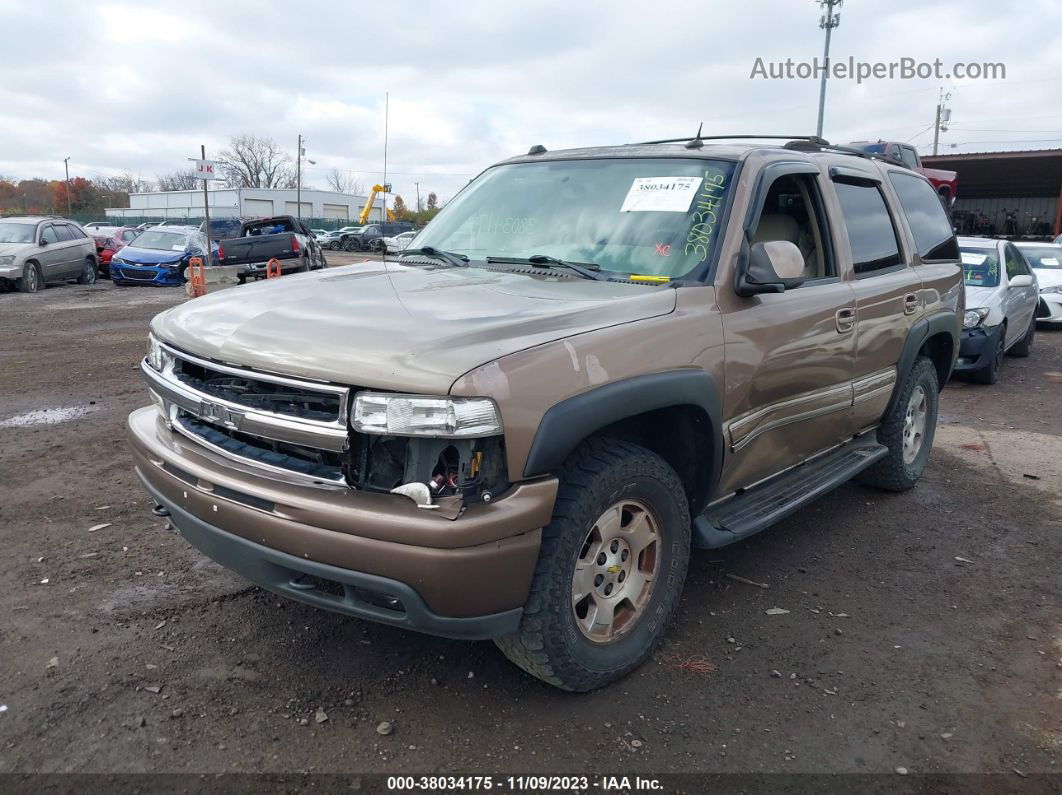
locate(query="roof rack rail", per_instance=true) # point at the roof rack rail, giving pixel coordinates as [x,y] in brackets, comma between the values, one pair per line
[807,146]
[810,138]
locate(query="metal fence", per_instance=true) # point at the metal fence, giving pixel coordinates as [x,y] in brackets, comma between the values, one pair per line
[328,224]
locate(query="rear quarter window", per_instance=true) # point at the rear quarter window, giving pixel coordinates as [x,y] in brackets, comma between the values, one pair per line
[871,233]
[930,226]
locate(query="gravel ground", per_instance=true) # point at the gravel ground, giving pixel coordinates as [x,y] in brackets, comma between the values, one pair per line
[924,630]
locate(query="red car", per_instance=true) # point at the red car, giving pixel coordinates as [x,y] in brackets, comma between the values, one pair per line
[108,240]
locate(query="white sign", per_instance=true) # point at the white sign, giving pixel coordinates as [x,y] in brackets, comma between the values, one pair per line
[661,194]
[970,258]
[206,169]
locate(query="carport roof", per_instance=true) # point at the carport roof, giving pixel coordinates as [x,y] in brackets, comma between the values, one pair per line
[983,175]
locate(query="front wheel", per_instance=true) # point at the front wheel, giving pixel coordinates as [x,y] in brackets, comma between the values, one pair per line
[31,280]
[334,245]
[989,374]
[610,570]
[907,431]
[1024,346]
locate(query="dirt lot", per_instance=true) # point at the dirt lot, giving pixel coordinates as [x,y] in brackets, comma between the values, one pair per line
[924,632]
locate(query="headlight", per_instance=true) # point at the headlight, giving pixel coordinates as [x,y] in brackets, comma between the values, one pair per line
[1057,289]
[7,259]
[974,317]
[414,415]
[154,354]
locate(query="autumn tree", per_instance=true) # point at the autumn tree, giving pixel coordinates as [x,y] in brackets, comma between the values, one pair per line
[83,194]
[400,209]
[256,162]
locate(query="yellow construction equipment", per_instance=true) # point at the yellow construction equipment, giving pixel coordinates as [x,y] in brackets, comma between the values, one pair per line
[367,209]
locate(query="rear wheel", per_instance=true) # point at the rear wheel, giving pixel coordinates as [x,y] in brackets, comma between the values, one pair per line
[610,570]
[88,272]
[31,280]
[907,431]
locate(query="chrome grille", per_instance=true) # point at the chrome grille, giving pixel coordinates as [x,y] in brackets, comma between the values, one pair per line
[287,427]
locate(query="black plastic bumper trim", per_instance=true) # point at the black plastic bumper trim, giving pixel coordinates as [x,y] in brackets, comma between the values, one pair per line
[279,572]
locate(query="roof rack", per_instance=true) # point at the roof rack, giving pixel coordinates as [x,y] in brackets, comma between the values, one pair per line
[698,137]
[800,143]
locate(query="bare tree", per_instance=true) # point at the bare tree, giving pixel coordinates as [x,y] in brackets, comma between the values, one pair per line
[126,182]
[177,180]
[254,162]
[344,182]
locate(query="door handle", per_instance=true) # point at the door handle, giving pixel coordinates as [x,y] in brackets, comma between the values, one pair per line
[845,319]
[911,303]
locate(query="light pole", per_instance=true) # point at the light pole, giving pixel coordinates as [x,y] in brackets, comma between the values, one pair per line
[940,124]
[298,180]
[828,21]
[418,195]
[66,164]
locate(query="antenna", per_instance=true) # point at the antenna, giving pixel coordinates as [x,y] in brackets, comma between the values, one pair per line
[696,142]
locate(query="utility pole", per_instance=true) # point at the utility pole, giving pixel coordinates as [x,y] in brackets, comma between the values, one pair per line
[418,195]
[66,164]
[387,108]
[206,212]
[828,21]
[298,180]
[940,124]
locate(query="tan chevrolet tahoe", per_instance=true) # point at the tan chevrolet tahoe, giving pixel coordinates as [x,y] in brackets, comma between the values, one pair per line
[591,361]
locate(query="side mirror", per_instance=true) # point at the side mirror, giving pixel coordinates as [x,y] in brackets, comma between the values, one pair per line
[1023,280]
[43,242]
[772,267]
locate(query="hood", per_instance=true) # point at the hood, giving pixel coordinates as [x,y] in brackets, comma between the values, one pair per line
[1047,277]
[14,248]
[399,327]
[977,297]
[151,256]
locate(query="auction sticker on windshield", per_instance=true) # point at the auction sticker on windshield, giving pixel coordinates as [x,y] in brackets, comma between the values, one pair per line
[661,194]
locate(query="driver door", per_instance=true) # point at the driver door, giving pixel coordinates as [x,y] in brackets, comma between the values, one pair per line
[52,256]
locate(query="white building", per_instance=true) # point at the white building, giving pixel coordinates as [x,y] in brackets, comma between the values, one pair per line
[246,203]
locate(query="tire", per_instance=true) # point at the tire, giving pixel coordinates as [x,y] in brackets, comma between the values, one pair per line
[989,374]
[31,280]
[1024,347]
[334,245]
[88,272]
[324,262]
[908,455]
[604,478]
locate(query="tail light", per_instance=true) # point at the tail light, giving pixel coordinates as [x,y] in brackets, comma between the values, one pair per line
[294,245]
[221,252]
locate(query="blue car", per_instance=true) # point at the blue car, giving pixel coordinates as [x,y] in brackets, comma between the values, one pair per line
[158,256]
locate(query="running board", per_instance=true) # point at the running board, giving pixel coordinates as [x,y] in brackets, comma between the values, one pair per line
[761,506]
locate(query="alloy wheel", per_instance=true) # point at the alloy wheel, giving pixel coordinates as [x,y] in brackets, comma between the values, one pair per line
[914,424]
[615,572]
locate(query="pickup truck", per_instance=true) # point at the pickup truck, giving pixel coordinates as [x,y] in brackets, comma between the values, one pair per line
[590,361]
[945,182]
[283,238]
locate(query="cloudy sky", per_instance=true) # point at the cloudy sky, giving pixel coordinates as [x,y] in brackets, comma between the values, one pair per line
[139,86]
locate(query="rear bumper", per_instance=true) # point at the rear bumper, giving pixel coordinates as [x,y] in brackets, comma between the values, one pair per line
[976,347]
[466,578]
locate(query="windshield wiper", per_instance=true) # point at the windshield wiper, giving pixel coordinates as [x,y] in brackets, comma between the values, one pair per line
[458,260]
[588,270]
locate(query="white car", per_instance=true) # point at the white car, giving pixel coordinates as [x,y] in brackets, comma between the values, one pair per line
[1001,299]
[1046,262]
[397,243]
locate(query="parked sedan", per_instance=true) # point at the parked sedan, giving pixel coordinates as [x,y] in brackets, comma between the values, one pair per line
[158,256]
[336,239]
[393,245]
[1001,298]
[36,250]
[110,239]
[1046,262]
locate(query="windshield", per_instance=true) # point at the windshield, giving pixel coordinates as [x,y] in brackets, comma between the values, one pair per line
[158,240]
[1047,257]
[647,216]
[17,233]
[980,266]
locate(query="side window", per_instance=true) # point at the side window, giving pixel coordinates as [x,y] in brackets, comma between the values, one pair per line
[76,231]
[871,233]
[64,232]
[128,235]
[933,235]
[907,156]
[793,211]
[48,235]
[1015,263]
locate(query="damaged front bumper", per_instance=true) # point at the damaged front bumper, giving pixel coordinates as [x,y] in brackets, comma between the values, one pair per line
[375,556]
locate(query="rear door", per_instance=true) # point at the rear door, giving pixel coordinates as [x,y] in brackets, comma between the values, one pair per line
[70,247]
[887,289]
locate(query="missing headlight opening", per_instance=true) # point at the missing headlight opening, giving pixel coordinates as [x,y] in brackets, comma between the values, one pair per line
[468,468]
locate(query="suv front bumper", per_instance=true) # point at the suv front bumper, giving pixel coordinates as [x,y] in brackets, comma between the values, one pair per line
[976,347]
[374,556]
